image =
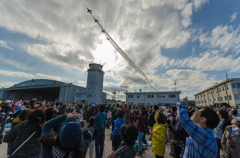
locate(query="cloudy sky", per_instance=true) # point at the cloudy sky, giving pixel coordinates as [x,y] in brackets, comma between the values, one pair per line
[195,42]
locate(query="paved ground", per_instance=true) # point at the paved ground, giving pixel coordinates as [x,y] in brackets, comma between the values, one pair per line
[107,149]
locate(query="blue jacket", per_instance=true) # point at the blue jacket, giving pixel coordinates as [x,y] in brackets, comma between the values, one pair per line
[117,125]
[48,127]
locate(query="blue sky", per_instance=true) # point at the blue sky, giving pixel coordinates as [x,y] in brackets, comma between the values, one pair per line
[193,42]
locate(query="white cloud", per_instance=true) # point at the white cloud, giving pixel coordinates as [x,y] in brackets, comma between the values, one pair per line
[225,38]
[233,16]
[15,63]
[199,3]
[189,80]
[6,84]
[40,75]
[82,83]
[141,28]
[29,75]
[16,74]
[4,44]
[209,61]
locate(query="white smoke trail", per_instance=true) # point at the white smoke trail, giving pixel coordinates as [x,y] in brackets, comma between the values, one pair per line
[124,55]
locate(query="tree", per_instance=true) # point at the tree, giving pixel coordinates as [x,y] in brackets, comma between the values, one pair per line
[225,104]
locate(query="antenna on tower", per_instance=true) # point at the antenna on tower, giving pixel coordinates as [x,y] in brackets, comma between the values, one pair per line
[175,83]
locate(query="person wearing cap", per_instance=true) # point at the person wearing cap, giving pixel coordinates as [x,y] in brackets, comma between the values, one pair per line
[129,134]
[72,141]
[231,139]
[4,112]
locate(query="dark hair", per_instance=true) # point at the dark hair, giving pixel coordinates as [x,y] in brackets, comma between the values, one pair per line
[211,116]
[37,116]
[174,108]
[48,140]
[91,120]
[155,107]
[120,113]
[101,108]
[24,114]
[50,114]
[234,112]
[223,113]
[161,119]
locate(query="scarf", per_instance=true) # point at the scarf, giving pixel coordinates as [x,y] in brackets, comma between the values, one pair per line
[58,153]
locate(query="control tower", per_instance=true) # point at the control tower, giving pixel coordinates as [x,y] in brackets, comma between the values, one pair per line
[94,83]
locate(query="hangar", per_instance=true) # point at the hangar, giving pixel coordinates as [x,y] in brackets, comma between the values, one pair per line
[45,89]
[42,89]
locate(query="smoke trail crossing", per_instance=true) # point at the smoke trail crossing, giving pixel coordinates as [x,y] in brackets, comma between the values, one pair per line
[124,55]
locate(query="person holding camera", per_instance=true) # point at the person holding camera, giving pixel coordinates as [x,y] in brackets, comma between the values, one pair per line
[72,141]
[201,141]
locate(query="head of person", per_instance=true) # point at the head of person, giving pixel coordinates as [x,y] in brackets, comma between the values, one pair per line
[91,120]
[129,134]
[50,113]
[160,118]
[236,121]
[37,117]
[234,112]
[206,118]
[223,114]
[101,108]
[156,108]
[120,113]
[23,114]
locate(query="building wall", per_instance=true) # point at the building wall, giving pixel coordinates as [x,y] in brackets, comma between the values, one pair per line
[152,98]
[226,91]
[1,93]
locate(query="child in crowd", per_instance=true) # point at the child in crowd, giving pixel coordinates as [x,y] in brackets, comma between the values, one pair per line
[116,132]
[129,134]
[159,135]
[93,130]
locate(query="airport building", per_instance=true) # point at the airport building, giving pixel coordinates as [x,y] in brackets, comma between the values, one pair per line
[64,92]
[227,91]
[153,98]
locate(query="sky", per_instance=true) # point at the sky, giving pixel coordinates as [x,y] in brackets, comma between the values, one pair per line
[192,42]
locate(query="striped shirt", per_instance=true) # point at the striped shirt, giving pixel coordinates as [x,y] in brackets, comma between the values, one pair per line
[201,142]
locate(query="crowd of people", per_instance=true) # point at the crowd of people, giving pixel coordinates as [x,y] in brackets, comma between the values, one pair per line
[62,130]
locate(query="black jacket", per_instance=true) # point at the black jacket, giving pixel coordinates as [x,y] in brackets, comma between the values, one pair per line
[32,148]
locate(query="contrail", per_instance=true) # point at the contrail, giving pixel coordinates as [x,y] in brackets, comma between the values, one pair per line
[124,55]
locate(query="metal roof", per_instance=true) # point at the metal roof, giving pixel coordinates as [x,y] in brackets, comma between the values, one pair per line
[159,92]
[38,86]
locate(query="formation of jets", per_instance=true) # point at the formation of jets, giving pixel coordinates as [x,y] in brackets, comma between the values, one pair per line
[95,20]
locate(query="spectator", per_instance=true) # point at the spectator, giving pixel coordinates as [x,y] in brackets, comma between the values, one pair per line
[4,112]
[24,130]
[231,139]
[116,132]
[218,131]
[72,140]
[159,135]
[100,122]
[129,134]
[93,131]
[201,141]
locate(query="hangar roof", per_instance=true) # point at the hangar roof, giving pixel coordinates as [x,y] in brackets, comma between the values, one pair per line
[37,83]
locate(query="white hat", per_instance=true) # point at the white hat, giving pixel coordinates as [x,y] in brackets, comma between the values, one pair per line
[164,108]
[8,101]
